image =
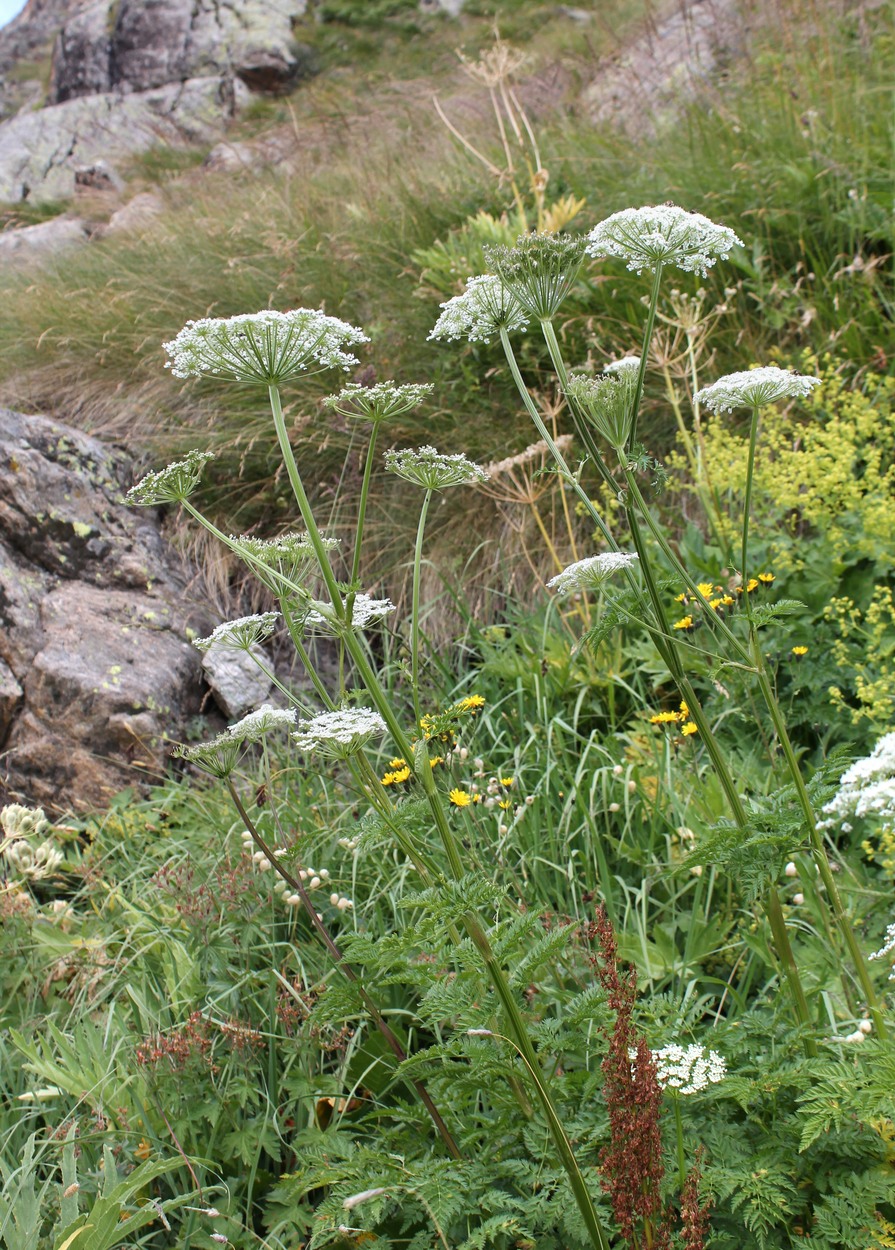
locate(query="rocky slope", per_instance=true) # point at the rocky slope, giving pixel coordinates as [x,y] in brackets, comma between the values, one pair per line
[127,76]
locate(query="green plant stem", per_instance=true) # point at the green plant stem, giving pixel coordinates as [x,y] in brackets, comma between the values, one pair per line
[644,353]
[747,507]
[362,505]
[681,1157]
[303,502]
[415,620]
[476,930]
[346,969]
[735,803]
[579,1186]
[819,853]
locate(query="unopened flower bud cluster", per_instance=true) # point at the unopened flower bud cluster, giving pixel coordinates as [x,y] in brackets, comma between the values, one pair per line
[312,878]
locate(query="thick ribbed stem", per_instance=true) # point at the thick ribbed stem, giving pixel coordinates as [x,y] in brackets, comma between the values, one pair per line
[415,620]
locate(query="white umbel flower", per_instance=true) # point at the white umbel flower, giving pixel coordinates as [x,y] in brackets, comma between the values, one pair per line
[887,948]
[339,734]
[589,574]
[754,388]
[365,612]
[432,469]
[688,1069]
[241,634]
[17,821]
[484,308]
[172,484]
[628,366]
[284,563]
[662,234]
[253,727]
[867,789]
[265,347]
[381,402]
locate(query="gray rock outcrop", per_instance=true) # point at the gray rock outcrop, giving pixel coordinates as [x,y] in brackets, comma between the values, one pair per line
[43,152]
[133,74]
[95,666]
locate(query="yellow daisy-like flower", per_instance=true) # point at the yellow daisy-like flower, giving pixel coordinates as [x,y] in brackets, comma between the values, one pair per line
[752,584]
[400,762]
[766,578]
[685,711]
[798,652]
[689,728]
[505,804]
[665,718]
[460,798]
[436,759]
[705,588]
[681,598]
[685,623]
[727,600]
[507,781]
[716,603]
[471,703]
[397,776]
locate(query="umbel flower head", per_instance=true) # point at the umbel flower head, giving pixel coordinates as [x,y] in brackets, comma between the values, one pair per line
[323,619]
[281,564]
[265,347]
[381,402]
[339,734]
[219,756]
[867,789]
[253,727]
[754,388]
[17,821]
[539,271]
[241,634]
[690,1069]
[171,485]
[589,574]
[662,235]
[430,468]
[607,401]
[482,311]
[887,948]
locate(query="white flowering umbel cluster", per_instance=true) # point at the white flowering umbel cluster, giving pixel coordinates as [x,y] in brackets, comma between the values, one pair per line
[662,235]
[432,469]
[336,735]
[219,756]
[867,789]
[20,826]
[172,484]
[887,948]
[253,727]
[589,574]
[381,402]
[365,612]
[481,312]
[264,347]
[688,1069]
[754,388]
[281,564]
[241,634]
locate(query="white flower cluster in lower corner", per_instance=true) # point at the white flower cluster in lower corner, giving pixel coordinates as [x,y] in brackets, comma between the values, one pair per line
[688,1069]
[589,574]
[339,734]
[865,789]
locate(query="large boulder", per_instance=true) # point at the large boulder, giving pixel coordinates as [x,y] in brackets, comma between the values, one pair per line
[96,669]
[44,152]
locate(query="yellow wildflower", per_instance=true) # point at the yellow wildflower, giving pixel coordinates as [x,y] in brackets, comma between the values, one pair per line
[798,652]
[727,600]
[507,781]
[397,763]
[665,718]
[685,623]
[505,804]
[685,711]
[436,759]
[143,1150]
[705,589]
[681,598]
[716,603]
[460,798]
[471,703]
[397,776]
[689,728]
[766,578]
